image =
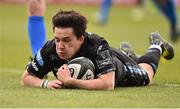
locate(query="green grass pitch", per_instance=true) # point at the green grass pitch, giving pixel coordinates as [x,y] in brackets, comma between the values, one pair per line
[15,52]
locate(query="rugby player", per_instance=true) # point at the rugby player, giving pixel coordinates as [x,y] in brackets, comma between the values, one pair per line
[112,67]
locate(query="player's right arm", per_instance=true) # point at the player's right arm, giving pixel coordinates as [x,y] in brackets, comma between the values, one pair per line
[36,70]
[30,80]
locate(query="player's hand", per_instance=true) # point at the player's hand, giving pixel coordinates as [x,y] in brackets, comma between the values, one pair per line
[55,84]
[64,74]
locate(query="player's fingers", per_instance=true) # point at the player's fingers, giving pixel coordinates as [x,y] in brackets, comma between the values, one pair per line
[58,82]
[57,86]
[52,88]
[59,76]
[65,67]
[59,71]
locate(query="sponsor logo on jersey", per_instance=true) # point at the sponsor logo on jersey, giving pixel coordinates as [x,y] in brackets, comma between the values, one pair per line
[34,66]
[39,59]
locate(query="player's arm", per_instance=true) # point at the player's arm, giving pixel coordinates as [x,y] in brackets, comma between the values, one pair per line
[103,82]
[30,80]
[36,70]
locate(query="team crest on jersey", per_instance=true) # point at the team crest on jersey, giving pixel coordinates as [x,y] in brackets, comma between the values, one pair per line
[99,49]
[39,59]
[104,59]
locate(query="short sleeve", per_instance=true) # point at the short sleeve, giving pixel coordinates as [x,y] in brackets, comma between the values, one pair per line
[38,66]
[103,61]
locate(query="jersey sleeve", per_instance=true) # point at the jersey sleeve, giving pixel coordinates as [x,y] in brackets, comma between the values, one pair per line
[104,62]
[39,65]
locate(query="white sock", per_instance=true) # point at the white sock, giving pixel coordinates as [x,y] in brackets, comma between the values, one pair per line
[157,47]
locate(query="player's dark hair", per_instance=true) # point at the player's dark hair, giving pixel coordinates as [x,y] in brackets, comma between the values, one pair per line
[72,19]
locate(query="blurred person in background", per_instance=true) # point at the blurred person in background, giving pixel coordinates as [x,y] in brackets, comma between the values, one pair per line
[104,11]
[36,25]
[167,7]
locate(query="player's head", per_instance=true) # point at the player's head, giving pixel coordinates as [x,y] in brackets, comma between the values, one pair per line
[69,28]
[72,19]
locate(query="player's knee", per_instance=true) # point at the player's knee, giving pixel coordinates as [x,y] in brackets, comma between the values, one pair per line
[149,71]
[36,8]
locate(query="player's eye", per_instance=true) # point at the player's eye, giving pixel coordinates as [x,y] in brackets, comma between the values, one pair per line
[66,40]
[57,40]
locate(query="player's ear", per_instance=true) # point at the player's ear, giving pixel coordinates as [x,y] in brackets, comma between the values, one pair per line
[81,38]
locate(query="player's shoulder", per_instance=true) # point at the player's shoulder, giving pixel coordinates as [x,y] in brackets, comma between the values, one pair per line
[49,47]
[50,43]
[95,39]
[94,36]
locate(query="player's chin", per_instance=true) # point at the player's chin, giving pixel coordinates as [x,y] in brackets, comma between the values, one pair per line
[63,56]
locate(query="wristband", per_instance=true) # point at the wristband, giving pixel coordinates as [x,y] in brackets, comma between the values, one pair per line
[44,84]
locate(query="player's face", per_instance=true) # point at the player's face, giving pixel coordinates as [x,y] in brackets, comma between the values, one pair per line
[67,44]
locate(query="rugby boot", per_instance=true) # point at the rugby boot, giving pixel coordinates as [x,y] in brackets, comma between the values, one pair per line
[126,48]
[167,49]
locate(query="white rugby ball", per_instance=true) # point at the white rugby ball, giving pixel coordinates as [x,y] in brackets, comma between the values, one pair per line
[81,68]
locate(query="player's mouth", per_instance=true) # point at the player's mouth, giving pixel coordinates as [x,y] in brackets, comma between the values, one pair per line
[62,53]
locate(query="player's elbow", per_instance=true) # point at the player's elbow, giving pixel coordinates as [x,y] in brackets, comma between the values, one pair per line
[22,83]
[110,86]
[23,79]
[108,80]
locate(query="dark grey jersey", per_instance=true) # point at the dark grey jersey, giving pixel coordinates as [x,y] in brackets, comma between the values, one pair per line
[94,47]
[105,59]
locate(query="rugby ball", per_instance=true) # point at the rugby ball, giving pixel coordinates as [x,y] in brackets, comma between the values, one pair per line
[81,68]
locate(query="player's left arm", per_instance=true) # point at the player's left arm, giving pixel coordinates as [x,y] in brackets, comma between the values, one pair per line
[103,82]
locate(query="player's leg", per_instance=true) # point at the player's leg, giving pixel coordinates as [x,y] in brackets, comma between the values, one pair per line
[104,11]
[168,8]
[36,26]
[127,49]
[158,47]
[141,72]
[128,72]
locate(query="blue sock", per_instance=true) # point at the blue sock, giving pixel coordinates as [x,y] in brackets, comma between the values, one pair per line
[36,32]
[105,8]
[168,9]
